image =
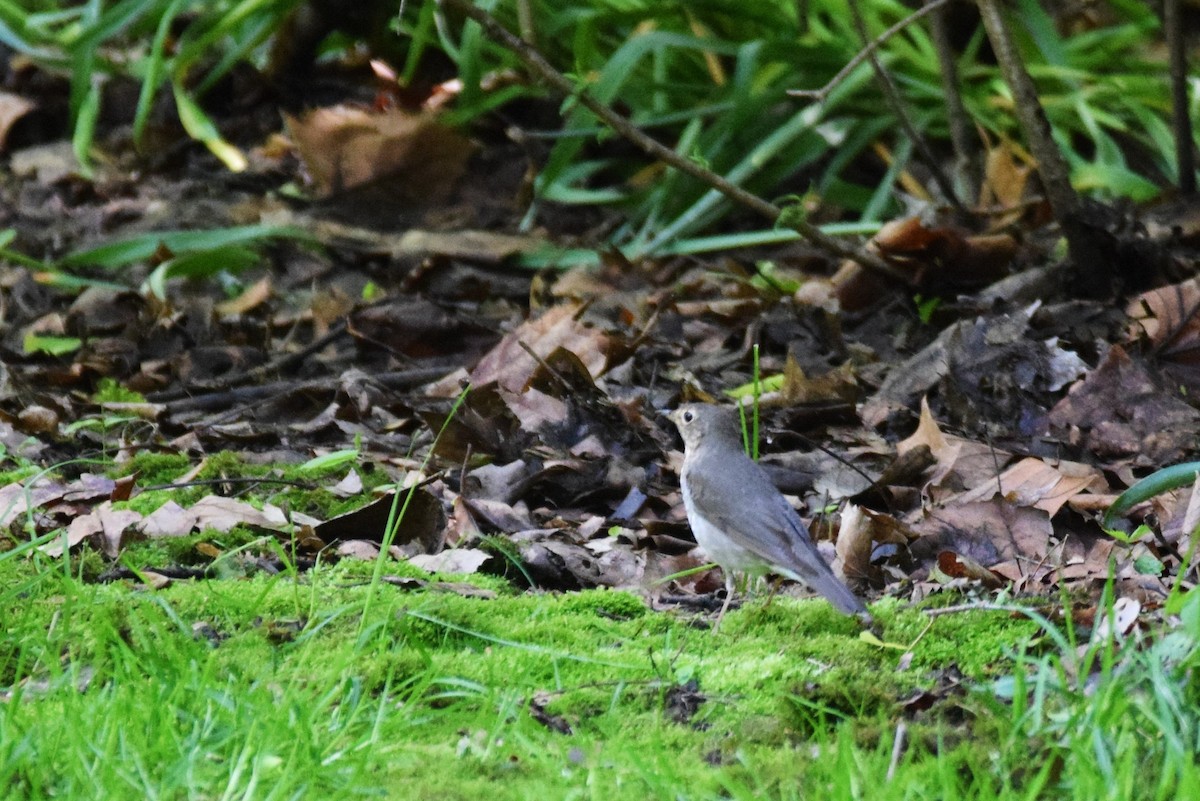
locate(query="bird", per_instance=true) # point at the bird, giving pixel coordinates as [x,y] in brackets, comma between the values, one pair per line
[738,516]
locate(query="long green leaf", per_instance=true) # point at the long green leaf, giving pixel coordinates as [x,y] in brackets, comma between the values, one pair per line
[112,255]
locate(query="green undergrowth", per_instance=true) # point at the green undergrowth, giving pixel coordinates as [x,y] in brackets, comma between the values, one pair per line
[276,686]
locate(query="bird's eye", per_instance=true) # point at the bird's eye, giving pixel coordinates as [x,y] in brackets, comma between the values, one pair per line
[688,417]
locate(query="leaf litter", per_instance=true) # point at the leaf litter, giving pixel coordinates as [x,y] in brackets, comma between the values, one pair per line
[971,452]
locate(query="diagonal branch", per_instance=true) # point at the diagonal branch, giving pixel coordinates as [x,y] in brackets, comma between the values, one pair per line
[535,62]
[892,95]
[1083,245]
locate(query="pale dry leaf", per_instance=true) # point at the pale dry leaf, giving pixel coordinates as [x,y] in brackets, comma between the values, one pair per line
[1124,616]
[349,486]
[113,525]
[357,549]
[1191,515]
[169,520]
[77,531]
[463,561]
[251,298]
[12,108]
[1036,483]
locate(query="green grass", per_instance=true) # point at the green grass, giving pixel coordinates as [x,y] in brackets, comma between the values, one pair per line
[273,687]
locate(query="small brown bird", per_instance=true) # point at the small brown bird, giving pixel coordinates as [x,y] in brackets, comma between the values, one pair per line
[739,517]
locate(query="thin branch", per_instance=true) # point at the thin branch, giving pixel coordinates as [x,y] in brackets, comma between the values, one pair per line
[892,96]
[263,371]
[1084,246]
[1180,121]
[966,149]
[535,62]
[1052,167]
[819,95]
[224,399]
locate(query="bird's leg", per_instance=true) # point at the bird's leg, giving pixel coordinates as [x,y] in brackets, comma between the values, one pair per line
[728,599]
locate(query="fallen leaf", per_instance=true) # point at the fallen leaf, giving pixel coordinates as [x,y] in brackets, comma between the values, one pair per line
[344,147]
[463,561]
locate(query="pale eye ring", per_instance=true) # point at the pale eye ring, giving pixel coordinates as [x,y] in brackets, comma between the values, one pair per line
[688,417]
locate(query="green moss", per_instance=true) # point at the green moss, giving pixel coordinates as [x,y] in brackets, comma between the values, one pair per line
[605,602]
[977,643]
[154,468]
[185,551]
[433,694]
[109,391]
[18,474]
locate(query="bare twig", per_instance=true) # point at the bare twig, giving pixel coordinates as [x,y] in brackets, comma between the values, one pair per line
[1180,121]
[965,147]
[223,399]
[819,95]
[892,96]
[272,367]
[1083,245]
[1052,167]
[535,62]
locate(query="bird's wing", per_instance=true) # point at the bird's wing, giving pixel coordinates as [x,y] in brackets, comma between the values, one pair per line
[781,536]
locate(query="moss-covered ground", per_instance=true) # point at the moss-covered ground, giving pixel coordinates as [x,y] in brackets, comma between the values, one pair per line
[326,684]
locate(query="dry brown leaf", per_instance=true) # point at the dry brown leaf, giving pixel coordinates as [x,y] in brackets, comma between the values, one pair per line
[944,256]
[510,365]
[1169,319]
[1120,411]
[838,384]
[854,542]
[956,565]
[1084,561]
[461,526]
[17,499]
[357,549]
[114,523]
[1006,173]
[222,514]
[1011,540]
[344,147]
[79,529]
[555,564]
[961,463]
[421,528]
[498,515]
[1036,483]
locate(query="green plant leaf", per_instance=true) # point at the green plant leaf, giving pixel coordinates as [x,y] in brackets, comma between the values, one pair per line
[200,126]
[123,252]
[1156,483]
[55,346]
[333,460]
